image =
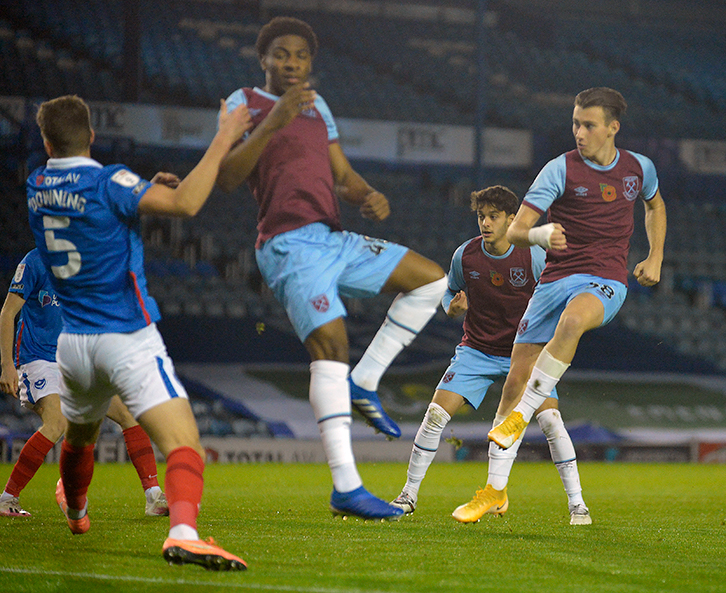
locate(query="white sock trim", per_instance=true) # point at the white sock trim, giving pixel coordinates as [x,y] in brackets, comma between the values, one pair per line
[551,366]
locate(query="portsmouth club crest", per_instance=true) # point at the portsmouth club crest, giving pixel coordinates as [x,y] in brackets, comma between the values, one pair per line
[631,187]
[517,277]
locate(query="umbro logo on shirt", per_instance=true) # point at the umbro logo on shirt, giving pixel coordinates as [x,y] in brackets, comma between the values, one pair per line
[581,192]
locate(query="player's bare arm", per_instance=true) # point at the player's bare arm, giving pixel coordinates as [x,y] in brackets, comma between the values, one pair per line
[352,189]
[647,272]
[9,378]
[193,191]
[523,232]
[242,159]
[458,305]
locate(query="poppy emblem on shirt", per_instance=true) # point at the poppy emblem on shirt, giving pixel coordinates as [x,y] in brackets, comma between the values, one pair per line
[448,377]
[320,303]
[496,278]
[39,179]
[609,193]
[631,187]
[517,277]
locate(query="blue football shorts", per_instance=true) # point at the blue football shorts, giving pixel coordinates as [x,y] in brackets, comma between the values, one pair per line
[310,268]
[471,373]
[550,299]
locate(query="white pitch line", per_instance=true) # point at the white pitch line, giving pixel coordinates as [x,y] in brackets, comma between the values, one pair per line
[108,577]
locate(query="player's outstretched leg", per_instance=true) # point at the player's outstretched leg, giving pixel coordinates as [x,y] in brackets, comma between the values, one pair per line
[76,525]
[205,553]
[369,405]
[486,501]
[361,503]
[407,316]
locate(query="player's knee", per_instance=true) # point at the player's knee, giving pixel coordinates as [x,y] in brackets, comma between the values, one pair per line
[436,417]
[53,428]
[327,343]
[572,325]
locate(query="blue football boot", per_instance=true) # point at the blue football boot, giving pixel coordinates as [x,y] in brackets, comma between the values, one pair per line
[368,404]
[361,503]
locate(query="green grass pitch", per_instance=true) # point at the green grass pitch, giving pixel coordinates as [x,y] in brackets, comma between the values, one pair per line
[655,528]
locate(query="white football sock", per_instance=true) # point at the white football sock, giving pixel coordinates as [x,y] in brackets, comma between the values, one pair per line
[425,446]
[330,398]
[501,460]
[545,375]
[151,493]
[183,531]
[409,313]
[563,453]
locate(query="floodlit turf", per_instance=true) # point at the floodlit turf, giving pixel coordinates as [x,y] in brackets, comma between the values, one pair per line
[656,528]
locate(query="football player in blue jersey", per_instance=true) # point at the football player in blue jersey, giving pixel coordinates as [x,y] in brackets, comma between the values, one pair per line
[490,281]
[86,221]
[36,382]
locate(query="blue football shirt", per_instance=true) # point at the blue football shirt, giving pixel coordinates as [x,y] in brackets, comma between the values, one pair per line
[86,224]
[40,322]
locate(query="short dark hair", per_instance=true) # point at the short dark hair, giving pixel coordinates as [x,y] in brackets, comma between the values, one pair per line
[500,197]
[285,25]
[611,101]
[65,122]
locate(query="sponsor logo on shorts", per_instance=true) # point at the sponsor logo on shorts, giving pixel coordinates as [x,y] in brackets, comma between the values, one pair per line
[320,303]
[448,377]
[522,326]
[631,187]
[517,277]
[39,384]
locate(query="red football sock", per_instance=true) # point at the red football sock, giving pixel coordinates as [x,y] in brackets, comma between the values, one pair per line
[184,483]
[31,458]
[76,470]
[141,453]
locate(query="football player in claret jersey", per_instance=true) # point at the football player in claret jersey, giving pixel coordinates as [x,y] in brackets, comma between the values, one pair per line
[86,221]
[297,172]
[36,381]
[491,281]
[589,194]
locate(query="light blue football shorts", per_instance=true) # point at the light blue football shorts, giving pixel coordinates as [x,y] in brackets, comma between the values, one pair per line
[471,373]
[550,299]
[310,268]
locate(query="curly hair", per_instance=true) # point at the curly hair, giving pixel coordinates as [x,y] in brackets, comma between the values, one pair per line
[285,25]
[500,197]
